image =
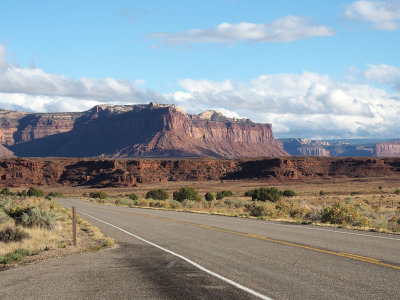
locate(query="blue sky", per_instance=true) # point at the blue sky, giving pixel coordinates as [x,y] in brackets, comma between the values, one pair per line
[311,68]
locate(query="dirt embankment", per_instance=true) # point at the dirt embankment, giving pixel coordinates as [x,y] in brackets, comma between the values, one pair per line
[126,173]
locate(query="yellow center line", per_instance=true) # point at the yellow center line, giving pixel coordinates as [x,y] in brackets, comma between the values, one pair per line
[360,256]
[260,237]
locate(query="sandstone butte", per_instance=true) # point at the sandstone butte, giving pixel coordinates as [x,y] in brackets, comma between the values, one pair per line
[128,131]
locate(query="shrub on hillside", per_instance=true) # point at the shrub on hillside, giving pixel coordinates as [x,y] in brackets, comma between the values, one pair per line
[264,194]
[343,214]
[35,192]
[208,196]
[17,256]
[16,211]
[55,194]
[133,196]
[22,193]
[289,193]
[159,194]
[223,194]
[322,193]
[397,191]
[98,195]
[34,217]
[186,193]
[6,192]
[12,234]
[263,210]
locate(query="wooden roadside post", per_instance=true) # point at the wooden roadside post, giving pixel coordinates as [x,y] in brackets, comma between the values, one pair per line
[74,225]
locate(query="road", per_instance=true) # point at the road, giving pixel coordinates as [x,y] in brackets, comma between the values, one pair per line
[175,255]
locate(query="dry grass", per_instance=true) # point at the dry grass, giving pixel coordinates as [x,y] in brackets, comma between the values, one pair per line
[47,242]
[374,198]
[40,240]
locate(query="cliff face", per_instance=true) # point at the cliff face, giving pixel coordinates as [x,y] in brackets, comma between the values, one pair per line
[307,147]
[136,131]
[389,149]
[129,172]
[19,127]
[216,136]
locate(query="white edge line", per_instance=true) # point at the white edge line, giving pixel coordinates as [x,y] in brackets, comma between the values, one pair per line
[231,282]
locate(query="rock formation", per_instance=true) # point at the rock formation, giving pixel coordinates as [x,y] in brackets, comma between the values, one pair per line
[152,130]
[308,147]
[389,149]
[129,172]
[5,153]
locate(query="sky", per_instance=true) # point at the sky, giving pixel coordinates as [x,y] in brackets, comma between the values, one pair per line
[312,68]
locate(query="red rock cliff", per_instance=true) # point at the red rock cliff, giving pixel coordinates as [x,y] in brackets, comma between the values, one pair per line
[136,131]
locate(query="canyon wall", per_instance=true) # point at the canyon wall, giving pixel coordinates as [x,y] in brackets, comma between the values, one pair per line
[130,172]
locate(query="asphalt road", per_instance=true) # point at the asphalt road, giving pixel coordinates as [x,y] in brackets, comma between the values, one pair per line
[174,255]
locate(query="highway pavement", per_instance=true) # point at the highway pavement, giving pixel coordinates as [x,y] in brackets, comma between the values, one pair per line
[175,255]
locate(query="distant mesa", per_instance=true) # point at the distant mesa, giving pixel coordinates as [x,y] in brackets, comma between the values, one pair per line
[388,149]
[127,131]
[341,148]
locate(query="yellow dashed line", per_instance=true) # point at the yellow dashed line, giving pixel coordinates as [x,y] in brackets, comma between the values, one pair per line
[360,256]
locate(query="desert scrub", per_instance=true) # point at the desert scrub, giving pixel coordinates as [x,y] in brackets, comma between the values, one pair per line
[289,193]
[123,201]
[264,194]
[133,196]
[13,234]
[264,210]
[209,197]
[234,203]
[343,214]
[35,192]
[158,194]
[17,256]
[186,193]
[98,195]
[51,195]
[223,194]
[293,209]
[6,192]
[37,225]
[35,217]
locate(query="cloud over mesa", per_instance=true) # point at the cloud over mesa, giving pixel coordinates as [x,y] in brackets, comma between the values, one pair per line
[300,105]
[307,104]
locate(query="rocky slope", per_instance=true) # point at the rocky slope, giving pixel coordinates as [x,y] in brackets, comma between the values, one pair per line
[136,131]
[5,153]
[130,172]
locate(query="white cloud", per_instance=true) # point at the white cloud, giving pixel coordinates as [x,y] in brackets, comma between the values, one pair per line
[3,57]
[385,74]
[34,89]
[384,15]
[140,81]
[302,105]
[286,29]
